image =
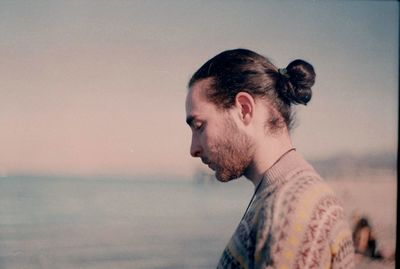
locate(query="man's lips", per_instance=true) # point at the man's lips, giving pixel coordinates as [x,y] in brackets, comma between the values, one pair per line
[208,163]
[205,161]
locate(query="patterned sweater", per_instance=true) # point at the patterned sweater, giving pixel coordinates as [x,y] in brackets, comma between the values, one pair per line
[295,221]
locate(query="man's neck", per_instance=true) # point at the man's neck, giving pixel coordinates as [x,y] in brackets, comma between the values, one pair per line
[267,153]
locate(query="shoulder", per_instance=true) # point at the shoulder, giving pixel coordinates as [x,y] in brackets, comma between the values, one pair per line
[305,204]
[305,191]
[310,222]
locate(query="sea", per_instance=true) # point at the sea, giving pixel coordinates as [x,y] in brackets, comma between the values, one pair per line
[55,222]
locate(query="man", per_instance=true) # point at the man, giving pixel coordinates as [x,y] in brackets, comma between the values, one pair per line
[239,109]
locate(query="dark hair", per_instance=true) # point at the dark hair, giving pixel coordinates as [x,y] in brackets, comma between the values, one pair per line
[243,70]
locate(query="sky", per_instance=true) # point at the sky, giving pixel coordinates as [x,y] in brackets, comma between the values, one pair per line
[98,87]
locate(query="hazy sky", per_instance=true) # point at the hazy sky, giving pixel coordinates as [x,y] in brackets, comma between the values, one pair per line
[98,87]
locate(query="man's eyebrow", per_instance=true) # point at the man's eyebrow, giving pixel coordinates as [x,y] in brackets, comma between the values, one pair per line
[190,119]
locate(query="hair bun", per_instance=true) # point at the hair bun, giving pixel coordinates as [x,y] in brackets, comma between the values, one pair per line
[295,82]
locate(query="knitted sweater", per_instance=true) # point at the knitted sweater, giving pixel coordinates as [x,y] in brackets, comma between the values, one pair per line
[295,221]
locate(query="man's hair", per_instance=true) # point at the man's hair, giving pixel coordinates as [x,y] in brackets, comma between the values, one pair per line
[243,70]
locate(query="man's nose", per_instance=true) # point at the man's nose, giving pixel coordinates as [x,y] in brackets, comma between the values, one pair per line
[195,148]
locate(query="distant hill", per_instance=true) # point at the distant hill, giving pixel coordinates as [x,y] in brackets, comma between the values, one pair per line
[350,165]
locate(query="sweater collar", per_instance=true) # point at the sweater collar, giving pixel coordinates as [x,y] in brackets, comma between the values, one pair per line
[290,164]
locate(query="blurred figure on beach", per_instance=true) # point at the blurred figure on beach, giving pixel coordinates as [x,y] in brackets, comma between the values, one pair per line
[365,242]
[239,108]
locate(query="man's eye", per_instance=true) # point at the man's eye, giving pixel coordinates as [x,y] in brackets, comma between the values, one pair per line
[198,126]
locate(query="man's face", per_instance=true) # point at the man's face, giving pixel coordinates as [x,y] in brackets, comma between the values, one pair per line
[216,139]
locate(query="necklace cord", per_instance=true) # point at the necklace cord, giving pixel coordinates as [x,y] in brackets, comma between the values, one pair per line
[262,179]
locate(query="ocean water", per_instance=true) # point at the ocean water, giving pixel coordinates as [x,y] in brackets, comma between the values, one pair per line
[60,223]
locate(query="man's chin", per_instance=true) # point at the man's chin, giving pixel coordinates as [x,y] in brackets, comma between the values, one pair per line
[224,176]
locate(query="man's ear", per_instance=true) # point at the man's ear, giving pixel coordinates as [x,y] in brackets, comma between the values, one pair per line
[246,105]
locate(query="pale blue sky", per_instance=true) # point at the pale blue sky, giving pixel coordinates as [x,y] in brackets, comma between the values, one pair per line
[93,87]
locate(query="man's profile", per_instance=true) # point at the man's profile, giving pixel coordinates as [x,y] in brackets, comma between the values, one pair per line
[239,108]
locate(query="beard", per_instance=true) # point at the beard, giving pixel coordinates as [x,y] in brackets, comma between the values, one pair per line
[231,153]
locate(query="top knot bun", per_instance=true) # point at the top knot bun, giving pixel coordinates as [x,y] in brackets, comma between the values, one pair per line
[295,82]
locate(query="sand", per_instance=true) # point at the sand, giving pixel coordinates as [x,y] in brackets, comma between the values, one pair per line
[374,197]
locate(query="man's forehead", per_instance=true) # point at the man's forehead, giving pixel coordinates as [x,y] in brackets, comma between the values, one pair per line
[199,88]
[196,97]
